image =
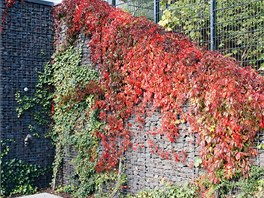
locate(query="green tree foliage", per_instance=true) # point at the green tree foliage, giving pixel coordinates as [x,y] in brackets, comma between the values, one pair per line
[138,7]
[239,28]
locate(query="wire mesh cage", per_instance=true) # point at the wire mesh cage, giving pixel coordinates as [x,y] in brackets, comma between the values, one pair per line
[26,45]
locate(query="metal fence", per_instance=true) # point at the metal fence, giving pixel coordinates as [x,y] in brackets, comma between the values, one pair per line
[136,7]
[233,27]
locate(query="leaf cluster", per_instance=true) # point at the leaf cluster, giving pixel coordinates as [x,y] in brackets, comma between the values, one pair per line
[17,176]
[74,121]
[184,191]
[141,64]
[238,32]
[237,187]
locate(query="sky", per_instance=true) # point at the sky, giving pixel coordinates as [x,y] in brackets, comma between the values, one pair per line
[55,1]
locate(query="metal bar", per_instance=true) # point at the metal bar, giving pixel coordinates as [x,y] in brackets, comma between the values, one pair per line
[114,3]
[156,11]
[213,24]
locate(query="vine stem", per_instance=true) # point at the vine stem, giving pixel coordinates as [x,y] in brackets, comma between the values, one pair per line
[57,162]
[119,178]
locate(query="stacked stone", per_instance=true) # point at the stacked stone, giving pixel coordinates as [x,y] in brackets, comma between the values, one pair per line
[147,170]
[27,44]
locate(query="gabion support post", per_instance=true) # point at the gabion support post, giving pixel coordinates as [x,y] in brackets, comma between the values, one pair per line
[213,24]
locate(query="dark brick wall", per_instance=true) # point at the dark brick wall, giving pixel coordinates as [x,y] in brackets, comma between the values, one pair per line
[26,45]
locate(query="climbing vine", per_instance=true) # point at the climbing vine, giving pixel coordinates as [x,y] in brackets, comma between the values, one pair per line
[7,5]
[73,120]
[17,176]
[141,64]
[234,38]
[68,89]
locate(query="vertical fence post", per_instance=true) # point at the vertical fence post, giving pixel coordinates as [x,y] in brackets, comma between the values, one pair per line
[114,3]
[213,24]
[156,10]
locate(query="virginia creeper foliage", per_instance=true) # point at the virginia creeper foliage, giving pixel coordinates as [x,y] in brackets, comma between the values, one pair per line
[7,5]
[141,65]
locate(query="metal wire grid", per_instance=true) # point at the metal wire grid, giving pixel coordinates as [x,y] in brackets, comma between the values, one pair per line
[27,42]
[192,18]
[240,30]
[136,7]
[235,28]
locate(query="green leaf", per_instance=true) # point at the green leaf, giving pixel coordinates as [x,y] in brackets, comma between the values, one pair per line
[197,162]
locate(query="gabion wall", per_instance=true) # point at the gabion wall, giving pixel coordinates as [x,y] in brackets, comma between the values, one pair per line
[144,169]
[27,44]
[147,170]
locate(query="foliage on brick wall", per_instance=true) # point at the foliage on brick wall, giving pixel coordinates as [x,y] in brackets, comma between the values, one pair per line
[8,4]
[17,176]
[141,64]
[74,122]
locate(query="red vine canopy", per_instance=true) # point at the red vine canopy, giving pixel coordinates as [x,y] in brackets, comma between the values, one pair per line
[141,64]
[8,4]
